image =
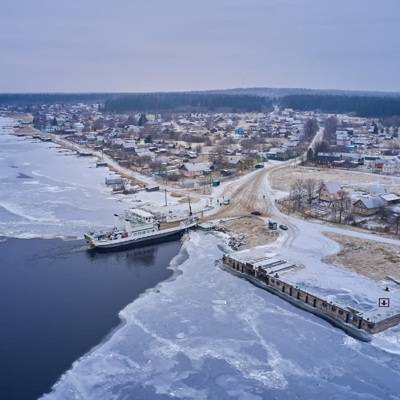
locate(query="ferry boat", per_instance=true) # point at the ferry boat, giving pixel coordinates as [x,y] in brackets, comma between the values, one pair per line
[140,228]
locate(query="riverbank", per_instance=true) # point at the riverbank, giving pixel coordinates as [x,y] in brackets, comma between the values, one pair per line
[366,257]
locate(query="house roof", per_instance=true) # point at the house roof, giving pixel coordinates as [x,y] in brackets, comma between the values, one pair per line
[234,159]
[390,197]
[196,167]
[372,202]
[332,187]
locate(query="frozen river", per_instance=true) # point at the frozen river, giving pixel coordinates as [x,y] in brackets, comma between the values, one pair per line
[210,335]
[205,334]
[45,192]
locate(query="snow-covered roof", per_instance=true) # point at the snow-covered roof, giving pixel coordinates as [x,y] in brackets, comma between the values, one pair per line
[141,213]
[390,197]
[332,187]
[372,202]
[128,145]
[197,167]
[234,159]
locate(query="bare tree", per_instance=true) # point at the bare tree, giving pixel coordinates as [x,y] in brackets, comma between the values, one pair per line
[156,165]
[98,124]
[310,128]
[217,158]
[396,224]
[322,147]
[331,124]
[248,144]
[297,194]
[191,138]
[320,188]
[207,141]
[227,141]
[141,161]
[341,206]
[310,187]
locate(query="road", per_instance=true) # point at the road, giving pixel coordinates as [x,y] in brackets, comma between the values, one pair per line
[246,196]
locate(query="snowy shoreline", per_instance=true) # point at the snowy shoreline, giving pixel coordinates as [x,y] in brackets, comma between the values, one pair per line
[46,194]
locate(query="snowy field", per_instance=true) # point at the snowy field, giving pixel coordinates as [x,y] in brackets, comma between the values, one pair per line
[336,284]
[209,335]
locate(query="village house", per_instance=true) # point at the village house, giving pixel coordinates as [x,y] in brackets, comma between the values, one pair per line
[234,159]
[330,191]
[193,170]
[368,205]
[391,166]
[391,198]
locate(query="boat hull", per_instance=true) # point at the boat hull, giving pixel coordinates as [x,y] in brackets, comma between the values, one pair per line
[129,243]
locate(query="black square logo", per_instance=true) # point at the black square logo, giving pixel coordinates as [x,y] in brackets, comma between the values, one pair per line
[384,302]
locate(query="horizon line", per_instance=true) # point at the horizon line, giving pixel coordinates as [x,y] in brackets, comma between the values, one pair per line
[392,92]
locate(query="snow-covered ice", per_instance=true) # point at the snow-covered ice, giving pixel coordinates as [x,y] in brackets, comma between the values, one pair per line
[46,191]
[207,334]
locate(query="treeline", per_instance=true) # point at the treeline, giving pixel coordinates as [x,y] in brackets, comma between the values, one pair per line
[25,99]
[142,102]
[186,102]
[363,106]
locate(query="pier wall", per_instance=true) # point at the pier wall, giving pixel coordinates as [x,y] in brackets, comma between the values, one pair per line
[331,310]
[386,323]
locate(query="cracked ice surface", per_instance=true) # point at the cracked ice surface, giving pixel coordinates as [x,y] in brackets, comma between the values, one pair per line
[207,334]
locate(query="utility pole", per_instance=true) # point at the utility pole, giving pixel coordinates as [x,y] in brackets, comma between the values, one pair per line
[165,193]
[190,207]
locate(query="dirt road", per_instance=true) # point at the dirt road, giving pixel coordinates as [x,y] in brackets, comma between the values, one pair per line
[247,196]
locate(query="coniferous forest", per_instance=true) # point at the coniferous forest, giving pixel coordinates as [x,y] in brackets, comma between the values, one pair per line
[363,106]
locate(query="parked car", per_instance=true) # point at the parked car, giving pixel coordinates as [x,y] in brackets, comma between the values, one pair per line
[226,202]
[272,225]
[283,227]
[257,213]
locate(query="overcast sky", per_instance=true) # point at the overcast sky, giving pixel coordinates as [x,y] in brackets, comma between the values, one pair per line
[149,45]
